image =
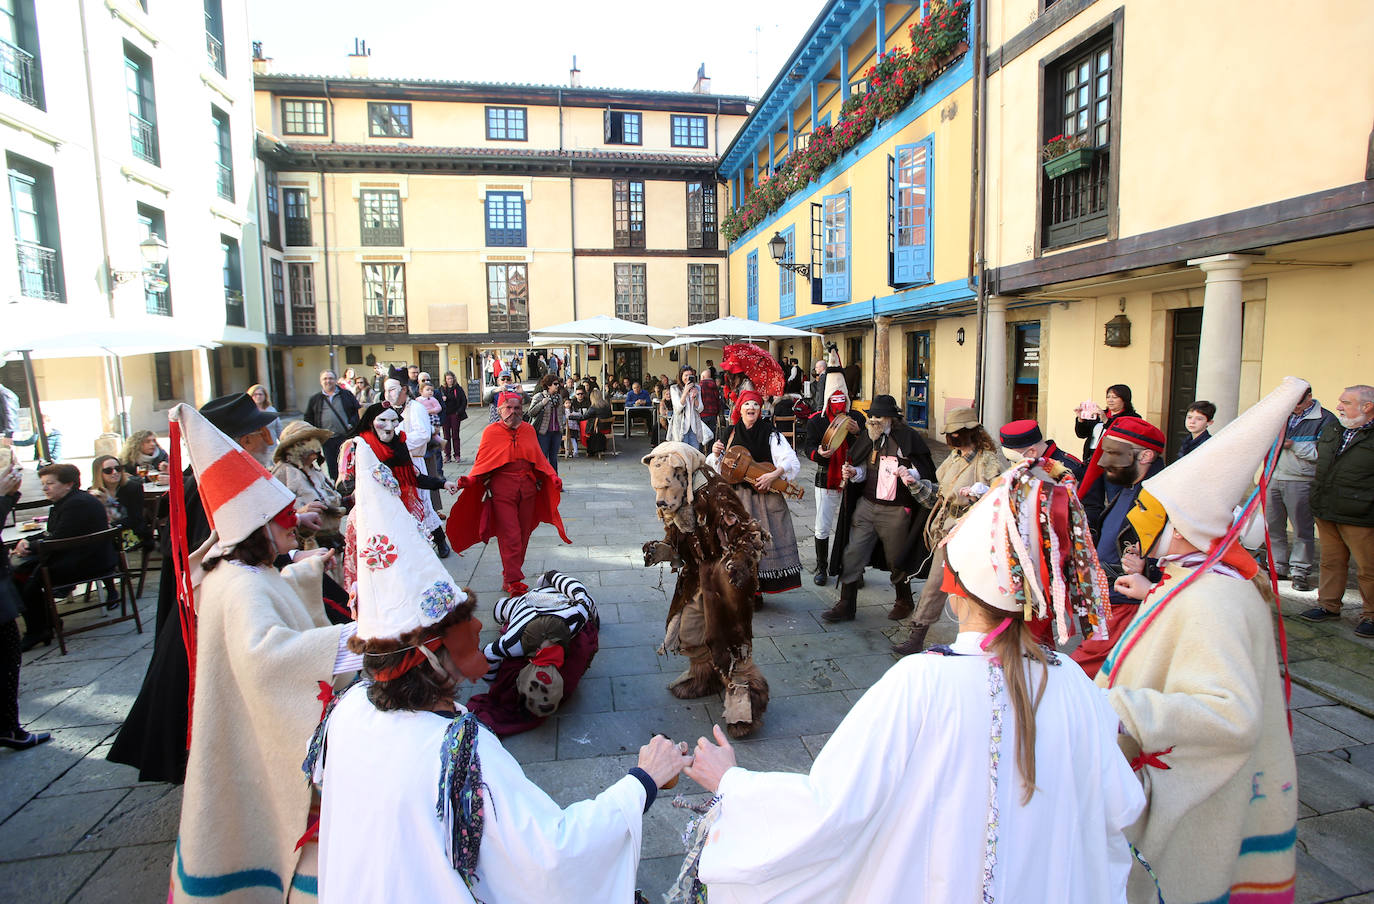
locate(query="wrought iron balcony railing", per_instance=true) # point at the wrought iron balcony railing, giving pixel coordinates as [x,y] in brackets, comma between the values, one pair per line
[214,49]
[40,274]
[225,182]
[144,139]
[18,73]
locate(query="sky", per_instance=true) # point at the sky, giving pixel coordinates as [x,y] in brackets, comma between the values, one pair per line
[639,44]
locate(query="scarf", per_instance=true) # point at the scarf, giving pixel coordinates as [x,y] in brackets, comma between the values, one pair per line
[396,456]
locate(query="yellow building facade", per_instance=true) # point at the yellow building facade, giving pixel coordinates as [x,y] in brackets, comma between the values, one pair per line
[427,222]
[883,228]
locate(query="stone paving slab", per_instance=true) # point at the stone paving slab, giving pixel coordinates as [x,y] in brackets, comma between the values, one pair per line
[85,829]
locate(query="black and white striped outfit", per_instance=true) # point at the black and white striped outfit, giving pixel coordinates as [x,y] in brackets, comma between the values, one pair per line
[558,594]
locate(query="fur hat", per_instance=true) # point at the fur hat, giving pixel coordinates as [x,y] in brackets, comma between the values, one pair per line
[298,432]
[1025,548]
[1199,493]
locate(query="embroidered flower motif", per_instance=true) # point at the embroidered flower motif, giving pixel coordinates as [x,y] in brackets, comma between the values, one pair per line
[382,474]
[438,600]
[379,552]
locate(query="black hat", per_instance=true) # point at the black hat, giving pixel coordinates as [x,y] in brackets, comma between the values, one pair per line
[884,406]
[1021,434]
[236,415]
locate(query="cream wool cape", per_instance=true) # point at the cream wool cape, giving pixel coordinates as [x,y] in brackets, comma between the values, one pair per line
[1222,819]
[264,645]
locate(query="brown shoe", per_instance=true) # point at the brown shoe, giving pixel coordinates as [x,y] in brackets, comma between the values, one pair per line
[913,644]
[904,605]
[845,607]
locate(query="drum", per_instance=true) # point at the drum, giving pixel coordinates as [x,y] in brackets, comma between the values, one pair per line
[837,432]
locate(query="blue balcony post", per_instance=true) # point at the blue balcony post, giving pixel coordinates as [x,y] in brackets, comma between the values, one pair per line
[881,25]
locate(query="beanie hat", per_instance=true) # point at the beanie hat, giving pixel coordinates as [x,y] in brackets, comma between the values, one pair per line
[1042,558]
[238,494]
[1200,492]
[1137,431]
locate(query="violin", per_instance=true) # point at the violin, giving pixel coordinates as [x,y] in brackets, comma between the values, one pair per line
[738,466]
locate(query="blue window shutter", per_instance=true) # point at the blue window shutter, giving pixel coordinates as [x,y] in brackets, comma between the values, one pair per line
[911,256]
[752,284]
[787,280]
[835,248]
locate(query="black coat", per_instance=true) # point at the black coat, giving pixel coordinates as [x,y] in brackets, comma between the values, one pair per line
[454,400]
[10,603]
[816,426]
[1343,488]
[74,515]
[314,409]
[153,737]
[913,452]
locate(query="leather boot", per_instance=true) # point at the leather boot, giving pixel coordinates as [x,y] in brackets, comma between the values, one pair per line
[913,644]
[846,606]
[440,543]
[903,606]
[822,561]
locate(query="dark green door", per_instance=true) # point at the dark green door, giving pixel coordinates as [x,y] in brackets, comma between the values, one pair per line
[1182,373]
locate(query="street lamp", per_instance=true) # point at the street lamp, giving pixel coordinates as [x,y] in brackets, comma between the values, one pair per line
[154,251]
[777,247]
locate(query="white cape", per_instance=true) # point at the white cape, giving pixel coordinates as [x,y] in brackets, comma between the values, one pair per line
[380,840]
[895,808]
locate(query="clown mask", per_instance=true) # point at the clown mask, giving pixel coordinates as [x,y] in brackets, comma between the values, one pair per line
[386,424]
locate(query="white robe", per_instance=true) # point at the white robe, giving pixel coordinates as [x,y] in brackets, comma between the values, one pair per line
[380,840]
[418,429]
[895,808]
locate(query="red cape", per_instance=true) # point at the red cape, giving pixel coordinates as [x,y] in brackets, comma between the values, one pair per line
[499,447]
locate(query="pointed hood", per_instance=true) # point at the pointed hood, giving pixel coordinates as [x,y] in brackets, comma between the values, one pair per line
[834,378]
[403,588]
[1200,492]
[238,494]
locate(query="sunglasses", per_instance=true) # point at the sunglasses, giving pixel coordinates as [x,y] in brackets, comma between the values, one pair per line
[114,470]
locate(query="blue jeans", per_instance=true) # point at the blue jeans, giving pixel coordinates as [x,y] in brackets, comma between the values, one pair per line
[549,443]
[690,438]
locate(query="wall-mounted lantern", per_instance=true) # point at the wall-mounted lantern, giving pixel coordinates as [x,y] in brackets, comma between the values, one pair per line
[959,336]
[1119,331]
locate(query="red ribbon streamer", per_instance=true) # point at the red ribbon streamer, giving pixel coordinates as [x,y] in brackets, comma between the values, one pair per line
[1151,759]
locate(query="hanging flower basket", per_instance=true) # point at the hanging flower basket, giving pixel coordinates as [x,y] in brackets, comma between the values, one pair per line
[1072,162]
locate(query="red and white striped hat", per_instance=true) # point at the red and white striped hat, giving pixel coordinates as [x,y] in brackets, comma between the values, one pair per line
[238,493]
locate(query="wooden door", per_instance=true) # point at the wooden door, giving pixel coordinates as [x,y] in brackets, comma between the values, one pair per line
[1183,357]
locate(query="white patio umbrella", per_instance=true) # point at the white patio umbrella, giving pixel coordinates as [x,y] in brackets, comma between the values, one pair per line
[602,329]
[37,337]
[731,327]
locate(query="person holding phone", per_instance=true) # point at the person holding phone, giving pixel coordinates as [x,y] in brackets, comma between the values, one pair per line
[685,424]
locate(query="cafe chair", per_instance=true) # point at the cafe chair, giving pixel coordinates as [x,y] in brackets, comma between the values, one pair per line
[128,602]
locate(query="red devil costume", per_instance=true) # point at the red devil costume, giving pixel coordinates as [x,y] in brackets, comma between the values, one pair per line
[524,492]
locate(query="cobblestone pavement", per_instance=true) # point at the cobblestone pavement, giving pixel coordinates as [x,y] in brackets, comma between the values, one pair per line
[78,828]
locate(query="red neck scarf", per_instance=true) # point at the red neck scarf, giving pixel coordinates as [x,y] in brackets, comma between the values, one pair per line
[403,469]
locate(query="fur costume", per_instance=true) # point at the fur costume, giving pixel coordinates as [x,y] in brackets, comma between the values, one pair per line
[715,548]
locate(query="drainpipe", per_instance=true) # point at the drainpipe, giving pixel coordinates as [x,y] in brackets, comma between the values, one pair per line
[328,294]
[114,367]
[978,206]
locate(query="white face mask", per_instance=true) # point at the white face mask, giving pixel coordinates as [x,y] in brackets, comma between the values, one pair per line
[385,424]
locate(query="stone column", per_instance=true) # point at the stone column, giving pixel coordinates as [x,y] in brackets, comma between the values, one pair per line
[201,383]
[443,364]
[994,398]
[264,372]
[1223,315]
[288,382]
[882,366]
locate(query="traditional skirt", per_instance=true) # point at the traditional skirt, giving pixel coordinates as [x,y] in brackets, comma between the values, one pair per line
[780,568]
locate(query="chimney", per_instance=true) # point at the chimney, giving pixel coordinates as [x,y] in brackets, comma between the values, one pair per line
[262,65]
[357,60]
[574,75]
[703,85]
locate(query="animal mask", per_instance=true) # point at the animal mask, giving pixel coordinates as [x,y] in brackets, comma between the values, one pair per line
[673,473]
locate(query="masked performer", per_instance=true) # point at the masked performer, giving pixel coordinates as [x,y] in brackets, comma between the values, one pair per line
[780,569]
[394,742]
[548,638]
[830,459]
[745,367]
[524,492]
[884,463]
[1195,681]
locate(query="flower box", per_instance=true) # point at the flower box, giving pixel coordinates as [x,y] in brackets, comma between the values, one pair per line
[1072,162]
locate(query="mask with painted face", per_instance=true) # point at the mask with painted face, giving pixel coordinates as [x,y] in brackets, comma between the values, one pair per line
[386,424]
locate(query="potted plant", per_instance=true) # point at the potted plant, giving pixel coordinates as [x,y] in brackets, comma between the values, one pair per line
[1064,154]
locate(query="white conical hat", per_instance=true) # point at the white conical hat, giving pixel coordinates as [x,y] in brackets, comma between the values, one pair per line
[402,585]
[834,377]
[238,494]
[1200,492]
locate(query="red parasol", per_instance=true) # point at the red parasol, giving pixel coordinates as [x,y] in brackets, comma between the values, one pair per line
[757,365]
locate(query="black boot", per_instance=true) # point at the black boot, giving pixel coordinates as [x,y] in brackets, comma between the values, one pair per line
[846,606]
[903,606]
[440,543]
[822,561]
[913,644]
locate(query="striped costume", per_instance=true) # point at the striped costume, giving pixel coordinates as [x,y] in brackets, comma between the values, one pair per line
[558,594]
